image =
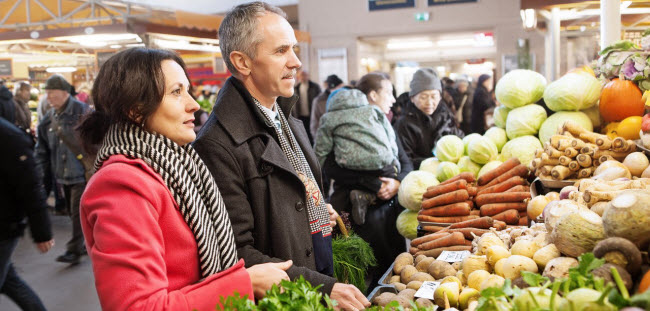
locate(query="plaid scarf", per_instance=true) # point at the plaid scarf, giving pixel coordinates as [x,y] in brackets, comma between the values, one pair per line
[191,185]
[318,216]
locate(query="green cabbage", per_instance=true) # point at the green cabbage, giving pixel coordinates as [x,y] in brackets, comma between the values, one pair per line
[413,186]
[522,148]
[465,164]
[498,136]
[430,165]
[594,115]
[525,120]
[482,150]
[572,92]
[447,170]
[467,139]
[520,87]
[550,126]
[488,167]
[407,224]
[449,148]
[500,116]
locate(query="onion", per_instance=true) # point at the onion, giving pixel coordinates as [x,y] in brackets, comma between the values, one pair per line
[536,206]
[564,193]
[552,196]
[636,162]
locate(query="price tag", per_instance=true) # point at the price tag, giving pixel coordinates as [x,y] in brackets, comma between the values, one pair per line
[450,256]
[427,289]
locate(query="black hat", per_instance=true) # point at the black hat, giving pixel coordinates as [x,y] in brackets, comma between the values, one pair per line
[333,81]
[57,82]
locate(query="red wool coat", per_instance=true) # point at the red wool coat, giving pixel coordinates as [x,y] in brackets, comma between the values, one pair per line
[143,253]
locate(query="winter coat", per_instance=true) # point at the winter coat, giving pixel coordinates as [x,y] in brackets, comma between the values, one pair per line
[318,109]
[312,91]
[20,187]
[264,197]
[52,153]
[144,254]
[419,132]
[7,107]
[482,102]
[358,133]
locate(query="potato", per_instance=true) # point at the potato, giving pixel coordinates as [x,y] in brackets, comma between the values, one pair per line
[466,296]
[492,281]
[407,272]
[419,258]
[451,289]
[440,269]
[495,253]
[545,254]
[498,267]
[408,293]
[525,248]
[384,299]
[406,303]
[399,286]
[476,278]
[472,263]
[394,279]
[456,265]
[424,303]
[422,277]
[515,264]
[414,285]
[423,265]
[402,260]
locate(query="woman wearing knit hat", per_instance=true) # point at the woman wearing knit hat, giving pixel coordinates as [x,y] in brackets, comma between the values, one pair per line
[481,103]
[425,120]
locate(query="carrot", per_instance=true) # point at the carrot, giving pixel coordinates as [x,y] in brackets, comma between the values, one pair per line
[433,228]
[467,176]
[500,225]
[519,170]
[501,198]
[442,189]
[523,221]
[452,239]
[413,250]
[471,203]
[479,223]
[427,238]
[510,217]
[454,209]
[437,251]
[500,170]
[496,208]
[475,212]
[467,232]
[472,191]
[501,187]
[520,188]
[468,242]
[447,198]
[446,220]
[523,213]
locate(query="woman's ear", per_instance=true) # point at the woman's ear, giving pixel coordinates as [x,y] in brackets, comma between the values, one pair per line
[241,62]
[373,96]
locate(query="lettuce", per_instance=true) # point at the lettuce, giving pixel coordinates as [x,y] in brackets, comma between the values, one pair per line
[572,92]
[520,87]
[412,187]
[407,224]
[449,148]
[482,150]
[525,120]
[498,136]
[522,148]
[465,164]
[447,170]
[500,116]
[550,126]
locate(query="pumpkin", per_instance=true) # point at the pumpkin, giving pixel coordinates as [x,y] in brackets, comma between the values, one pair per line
[620,99]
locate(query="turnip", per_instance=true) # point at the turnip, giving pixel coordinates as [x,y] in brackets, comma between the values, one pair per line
[476,278]
[564,193]
[628,216]
[515,264]
[577,232]
[496,253]
[536,206]
[611,170]
[473,263]
[559,267]
[451,289]
[525,248]
[493,281]
[534,298]
[545,254]
[487,240]
[587,299]
[636,162]
[467,296]
[553,213]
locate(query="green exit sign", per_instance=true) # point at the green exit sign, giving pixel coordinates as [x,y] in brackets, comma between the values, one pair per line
[422,16]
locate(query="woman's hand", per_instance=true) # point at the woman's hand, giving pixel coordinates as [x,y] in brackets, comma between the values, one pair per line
[388,188]
[263,276]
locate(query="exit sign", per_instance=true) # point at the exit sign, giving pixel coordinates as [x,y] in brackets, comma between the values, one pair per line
[422,16]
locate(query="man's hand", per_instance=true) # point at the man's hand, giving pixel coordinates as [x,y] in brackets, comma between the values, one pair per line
[348,297]
[45,246]
[333,215]
[263,276]
[388,188]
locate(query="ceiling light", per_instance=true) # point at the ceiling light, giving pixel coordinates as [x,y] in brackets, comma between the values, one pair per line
[99,37]
[402,45]
[115,46]
[184,45]
[135,45]
[60,69]
[455,42]
[528,18]
[94,44]
[583,28]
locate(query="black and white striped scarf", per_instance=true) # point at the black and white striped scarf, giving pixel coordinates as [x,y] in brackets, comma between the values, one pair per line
[316,210]
[191,185]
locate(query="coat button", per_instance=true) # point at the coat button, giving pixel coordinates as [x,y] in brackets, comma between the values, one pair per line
[308,252]
[300,206]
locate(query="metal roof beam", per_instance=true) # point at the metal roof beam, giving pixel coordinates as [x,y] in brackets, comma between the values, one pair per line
[11,11]
[45,8]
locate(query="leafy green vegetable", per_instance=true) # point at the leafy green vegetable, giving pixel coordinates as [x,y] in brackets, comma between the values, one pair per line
[352,257]
[533,279]
[623,45]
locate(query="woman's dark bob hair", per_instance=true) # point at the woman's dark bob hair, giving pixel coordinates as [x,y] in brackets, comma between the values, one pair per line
[128,89]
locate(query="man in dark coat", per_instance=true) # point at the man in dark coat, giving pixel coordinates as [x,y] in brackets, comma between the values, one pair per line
[23,203]
[306,90]
[261,158]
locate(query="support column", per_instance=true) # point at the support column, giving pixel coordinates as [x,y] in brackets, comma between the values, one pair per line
[610,22]
[552,46]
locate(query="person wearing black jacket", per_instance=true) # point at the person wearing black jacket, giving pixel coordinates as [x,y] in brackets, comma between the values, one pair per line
[482,102]
[23,203]
[425,120]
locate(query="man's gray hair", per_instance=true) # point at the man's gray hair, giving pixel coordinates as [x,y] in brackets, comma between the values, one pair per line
[238,30]
[21,85]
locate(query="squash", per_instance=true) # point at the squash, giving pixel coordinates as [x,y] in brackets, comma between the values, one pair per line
[620,99]
[629,128]
[645,283]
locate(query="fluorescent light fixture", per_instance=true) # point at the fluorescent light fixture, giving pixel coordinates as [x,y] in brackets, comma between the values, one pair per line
[60,69]
[412,44]
[135,45]
[583,28]
[94,44]
[115,46]
[99,37]
[455,42]
[185,45]
[529,18]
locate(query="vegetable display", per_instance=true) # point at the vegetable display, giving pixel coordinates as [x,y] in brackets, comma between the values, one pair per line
[520,87]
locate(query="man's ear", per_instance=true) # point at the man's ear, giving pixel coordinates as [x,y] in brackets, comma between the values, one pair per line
[242,62]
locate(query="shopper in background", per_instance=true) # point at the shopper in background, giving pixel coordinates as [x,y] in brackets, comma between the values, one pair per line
[319,106]
[261,157]
[23,203]
[425,120]
[481,102]
[7,106]
[307,90]
[378,228]
[22,94]
[463,100]
[448,94]
[59,150]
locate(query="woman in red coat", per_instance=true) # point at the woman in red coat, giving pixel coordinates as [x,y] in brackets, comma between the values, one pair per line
[155,225]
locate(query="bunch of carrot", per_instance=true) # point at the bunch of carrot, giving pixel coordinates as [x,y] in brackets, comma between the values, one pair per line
[575,153]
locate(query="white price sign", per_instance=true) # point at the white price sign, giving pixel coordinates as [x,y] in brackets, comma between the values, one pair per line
[427,289]
[455,256]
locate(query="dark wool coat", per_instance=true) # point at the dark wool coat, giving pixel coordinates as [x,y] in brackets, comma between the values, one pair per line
[264,197]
